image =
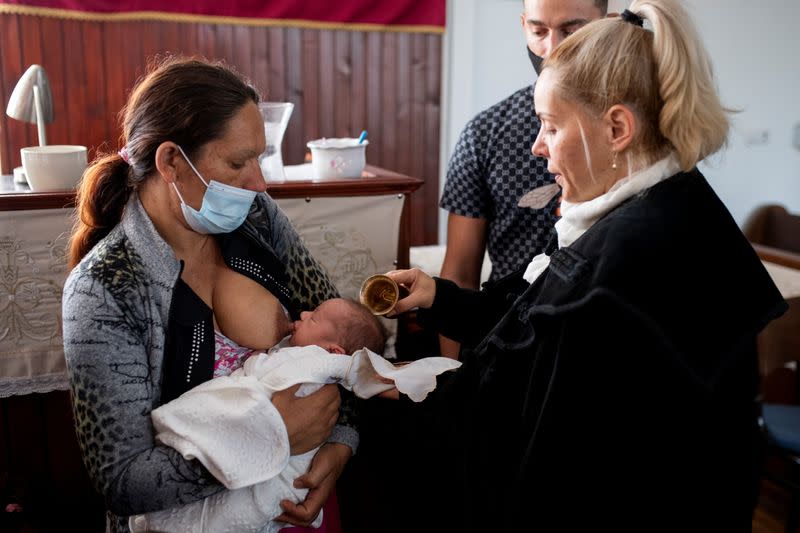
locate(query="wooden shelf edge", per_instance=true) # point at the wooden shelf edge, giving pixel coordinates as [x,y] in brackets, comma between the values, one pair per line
[376,182]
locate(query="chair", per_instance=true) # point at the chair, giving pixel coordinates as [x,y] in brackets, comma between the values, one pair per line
[780,391]
[775,234]
[782,426]
[773,226]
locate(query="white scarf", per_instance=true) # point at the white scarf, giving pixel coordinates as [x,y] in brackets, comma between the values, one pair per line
[579,217]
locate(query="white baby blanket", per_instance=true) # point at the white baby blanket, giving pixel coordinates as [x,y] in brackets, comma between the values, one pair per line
[230,425]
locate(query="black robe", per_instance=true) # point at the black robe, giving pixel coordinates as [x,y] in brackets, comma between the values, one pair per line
[619,390]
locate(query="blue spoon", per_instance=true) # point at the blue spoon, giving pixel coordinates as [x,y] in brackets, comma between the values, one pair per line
[362,136]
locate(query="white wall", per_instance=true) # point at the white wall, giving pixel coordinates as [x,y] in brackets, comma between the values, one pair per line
[754,47]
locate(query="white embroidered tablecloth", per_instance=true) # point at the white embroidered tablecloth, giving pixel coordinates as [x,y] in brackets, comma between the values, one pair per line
[353,237]
[33,268]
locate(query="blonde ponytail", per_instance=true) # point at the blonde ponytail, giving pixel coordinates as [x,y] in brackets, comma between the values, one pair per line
[692,117]
[663,75]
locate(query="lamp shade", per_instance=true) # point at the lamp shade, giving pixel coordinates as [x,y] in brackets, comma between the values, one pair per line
[21,105]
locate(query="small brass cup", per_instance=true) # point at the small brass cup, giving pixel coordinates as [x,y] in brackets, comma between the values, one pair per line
[379,293]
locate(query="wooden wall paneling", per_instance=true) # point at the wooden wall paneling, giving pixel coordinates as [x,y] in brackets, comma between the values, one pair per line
[32,54]
[433,91]
[206,39]
[293,139]
[232,55]
[136,60]
[223,44]
[164,39]
[228,39]
[417,100]
[311,86]
[151,38]
[188,39]
[243,49]
[53,51]
[276,81]
[135,57]
[343,95]
[259,60]
[99,122]
[133,66]
[403,84]
[358,82]
[171,38]
[388,133]
[374,95]
[76,86]
[15,132]
[325,62]
[4,90]
[416,163]
[117,81]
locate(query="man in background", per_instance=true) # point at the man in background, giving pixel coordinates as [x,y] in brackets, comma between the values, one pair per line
[492,166]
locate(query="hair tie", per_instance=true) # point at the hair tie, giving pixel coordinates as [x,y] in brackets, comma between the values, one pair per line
[123,153]
[633,18]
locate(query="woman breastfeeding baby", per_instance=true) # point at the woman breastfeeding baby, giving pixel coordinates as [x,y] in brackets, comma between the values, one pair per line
[202,423]
[178,256]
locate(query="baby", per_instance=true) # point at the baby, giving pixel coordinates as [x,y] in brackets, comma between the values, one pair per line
[232,428]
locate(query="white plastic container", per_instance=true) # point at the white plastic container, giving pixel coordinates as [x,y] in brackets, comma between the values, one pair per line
[55,167]
[337,158]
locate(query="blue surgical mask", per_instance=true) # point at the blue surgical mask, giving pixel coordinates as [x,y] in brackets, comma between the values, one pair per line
[224,207]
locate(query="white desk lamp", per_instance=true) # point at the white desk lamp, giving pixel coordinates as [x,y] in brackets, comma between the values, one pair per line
[31,101]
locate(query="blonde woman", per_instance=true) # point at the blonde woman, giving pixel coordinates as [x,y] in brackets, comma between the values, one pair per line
[620,385]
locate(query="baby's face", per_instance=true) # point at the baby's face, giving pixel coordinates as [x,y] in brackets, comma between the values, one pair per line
[318,326]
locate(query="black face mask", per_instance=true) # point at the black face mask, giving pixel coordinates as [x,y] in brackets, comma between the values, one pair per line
[536,61]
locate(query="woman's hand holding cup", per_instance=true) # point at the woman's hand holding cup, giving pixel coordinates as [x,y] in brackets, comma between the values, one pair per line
[421,290]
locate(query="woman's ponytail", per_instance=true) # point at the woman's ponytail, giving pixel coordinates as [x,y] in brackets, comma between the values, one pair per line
[692,117]
[102,195]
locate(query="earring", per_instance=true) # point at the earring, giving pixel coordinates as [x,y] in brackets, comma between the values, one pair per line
[614,161]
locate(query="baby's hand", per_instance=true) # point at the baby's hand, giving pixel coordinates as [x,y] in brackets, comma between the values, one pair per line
[384,380]
[391,394]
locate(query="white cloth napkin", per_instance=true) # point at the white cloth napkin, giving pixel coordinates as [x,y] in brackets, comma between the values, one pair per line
[576,218]
[230,425]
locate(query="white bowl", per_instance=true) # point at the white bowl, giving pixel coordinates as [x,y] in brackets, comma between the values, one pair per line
[56,167]
[337,158]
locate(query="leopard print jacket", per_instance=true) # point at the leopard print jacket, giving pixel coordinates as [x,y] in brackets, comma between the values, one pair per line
[115,307]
